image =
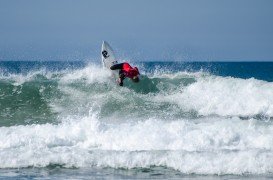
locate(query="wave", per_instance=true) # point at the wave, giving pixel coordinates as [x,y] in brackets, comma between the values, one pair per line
[211,146]
[158,94]
[227,96]
[192,122]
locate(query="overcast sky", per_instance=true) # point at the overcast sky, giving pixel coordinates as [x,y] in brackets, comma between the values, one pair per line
[180,30]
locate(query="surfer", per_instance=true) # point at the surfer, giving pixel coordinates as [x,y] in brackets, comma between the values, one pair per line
[125,70]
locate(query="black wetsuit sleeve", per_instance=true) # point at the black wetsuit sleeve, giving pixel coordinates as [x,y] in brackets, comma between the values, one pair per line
[116,66]
[121,75]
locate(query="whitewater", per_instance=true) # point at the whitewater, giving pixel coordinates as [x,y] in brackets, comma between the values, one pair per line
[186,121]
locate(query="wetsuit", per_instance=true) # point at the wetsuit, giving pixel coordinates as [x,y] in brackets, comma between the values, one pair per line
[125,70]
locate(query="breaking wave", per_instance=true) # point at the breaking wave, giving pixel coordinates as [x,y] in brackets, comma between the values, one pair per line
[194,122]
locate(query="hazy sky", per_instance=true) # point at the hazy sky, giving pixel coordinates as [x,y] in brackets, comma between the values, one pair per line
[181,30]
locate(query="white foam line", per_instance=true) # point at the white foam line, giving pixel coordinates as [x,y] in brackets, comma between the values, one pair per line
[211,146]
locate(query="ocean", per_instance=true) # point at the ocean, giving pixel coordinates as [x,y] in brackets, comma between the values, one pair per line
[192,120]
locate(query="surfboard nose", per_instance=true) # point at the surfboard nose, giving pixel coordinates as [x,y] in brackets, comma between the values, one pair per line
[105,43]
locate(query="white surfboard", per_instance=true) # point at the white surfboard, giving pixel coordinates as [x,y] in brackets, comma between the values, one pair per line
[107,55]
[108,58]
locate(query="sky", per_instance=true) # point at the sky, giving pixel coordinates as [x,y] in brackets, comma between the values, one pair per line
[139,30]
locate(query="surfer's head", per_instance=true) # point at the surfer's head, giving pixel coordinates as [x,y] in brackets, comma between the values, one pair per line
[135,73]
[135,79]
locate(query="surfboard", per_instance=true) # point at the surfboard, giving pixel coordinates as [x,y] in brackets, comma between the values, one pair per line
[108,58]
[107,55]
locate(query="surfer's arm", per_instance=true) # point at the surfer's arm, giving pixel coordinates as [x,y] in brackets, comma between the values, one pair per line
[116,66]
[121,78]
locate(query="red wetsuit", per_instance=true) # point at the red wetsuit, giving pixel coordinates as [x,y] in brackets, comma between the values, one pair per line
[125,70]
[128,71]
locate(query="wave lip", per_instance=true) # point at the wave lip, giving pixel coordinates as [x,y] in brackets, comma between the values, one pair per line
[225,97]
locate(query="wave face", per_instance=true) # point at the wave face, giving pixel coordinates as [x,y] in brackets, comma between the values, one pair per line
[190,120]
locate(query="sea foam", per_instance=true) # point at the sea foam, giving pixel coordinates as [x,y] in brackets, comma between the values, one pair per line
[210,146]
[224,96]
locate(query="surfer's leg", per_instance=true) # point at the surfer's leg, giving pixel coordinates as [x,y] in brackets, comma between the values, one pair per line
[116,66]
